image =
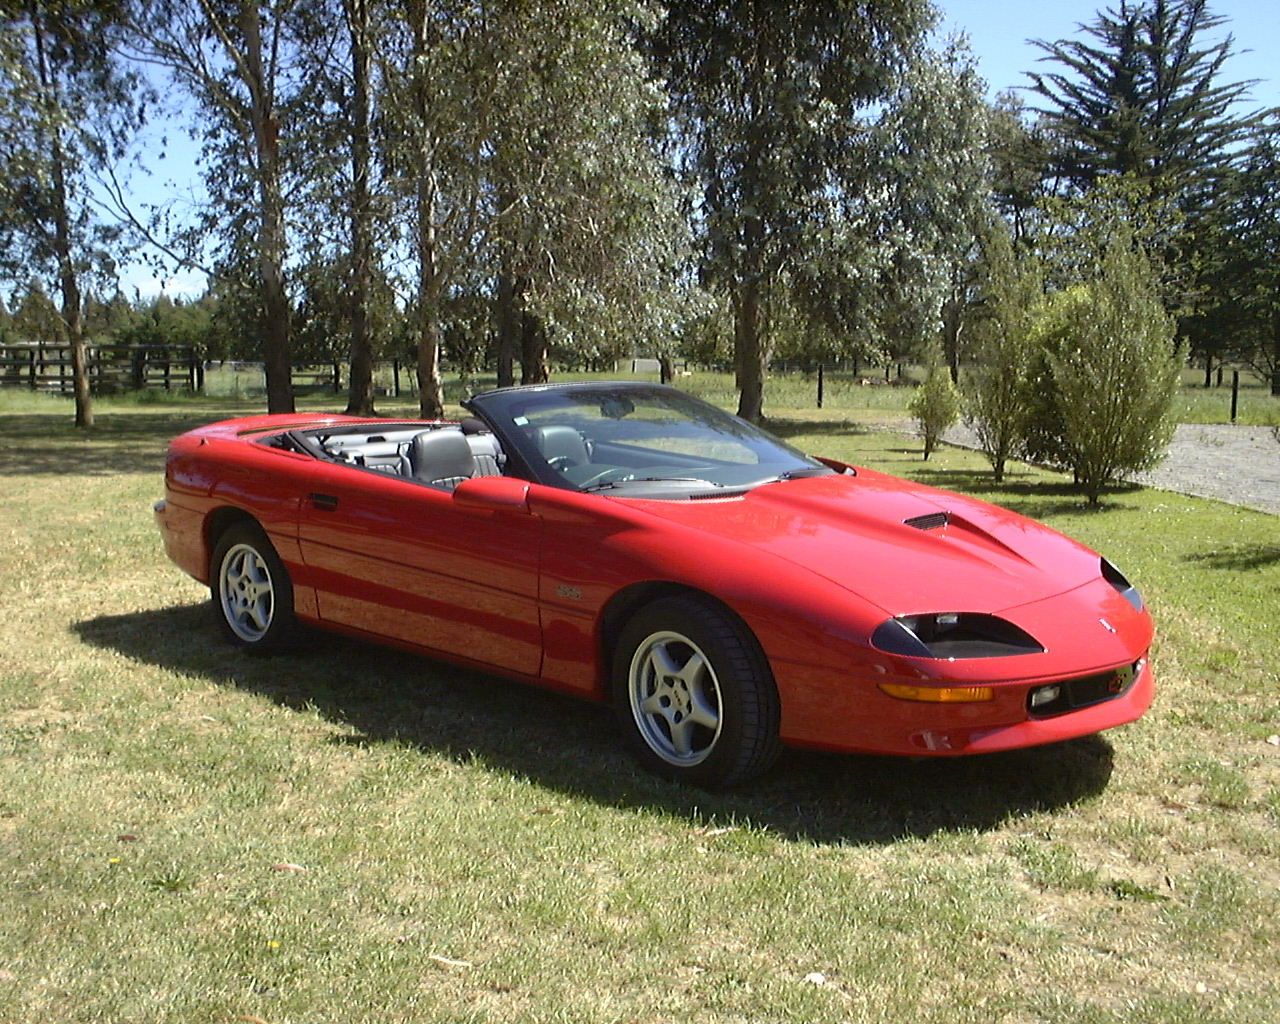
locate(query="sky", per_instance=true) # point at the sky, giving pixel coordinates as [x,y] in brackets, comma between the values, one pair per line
[998,30]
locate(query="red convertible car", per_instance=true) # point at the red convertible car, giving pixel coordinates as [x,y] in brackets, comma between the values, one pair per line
[632,544]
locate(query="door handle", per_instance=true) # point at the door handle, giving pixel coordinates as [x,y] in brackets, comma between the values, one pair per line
[324,502]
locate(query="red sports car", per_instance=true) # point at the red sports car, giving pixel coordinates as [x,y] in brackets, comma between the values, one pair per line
[632,544]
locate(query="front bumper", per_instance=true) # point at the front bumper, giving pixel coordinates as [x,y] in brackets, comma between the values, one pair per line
[864,720]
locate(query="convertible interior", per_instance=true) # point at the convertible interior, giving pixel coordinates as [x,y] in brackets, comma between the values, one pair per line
[438,455]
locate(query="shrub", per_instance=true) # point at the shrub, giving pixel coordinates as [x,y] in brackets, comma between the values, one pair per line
[1116,375]
[996,390]
[936,405]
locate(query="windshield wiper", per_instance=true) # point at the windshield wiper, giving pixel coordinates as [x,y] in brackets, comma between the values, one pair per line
[794,474]
[607,484]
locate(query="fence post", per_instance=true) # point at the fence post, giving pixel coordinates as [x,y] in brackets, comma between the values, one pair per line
[1235,393]
[820,384]
[395,377]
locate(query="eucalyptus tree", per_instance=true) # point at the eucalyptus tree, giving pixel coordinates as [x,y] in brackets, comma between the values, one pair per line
[249,70]
[932,170]
[765,101]
[68,111]
[437,79]
[584,231]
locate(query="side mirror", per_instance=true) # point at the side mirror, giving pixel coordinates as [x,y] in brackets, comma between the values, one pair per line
[493,494]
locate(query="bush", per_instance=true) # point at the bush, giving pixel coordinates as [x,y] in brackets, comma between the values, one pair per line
[1114,369]
[996,390]
[936,405]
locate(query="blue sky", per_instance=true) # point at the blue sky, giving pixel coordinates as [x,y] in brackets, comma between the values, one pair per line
[998,35]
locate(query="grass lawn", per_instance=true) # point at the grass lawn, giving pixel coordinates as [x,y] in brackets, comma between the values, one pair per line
[351,834]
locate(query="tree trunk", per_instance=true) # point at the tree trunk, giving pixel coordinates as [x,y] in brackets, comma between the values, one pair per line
[748,351]
[360,393]
[276,341]
[430,386]
[533,351]
[509,324]
[70,286]
[1275,353]
[952,323]
[666,369]
[1208,369]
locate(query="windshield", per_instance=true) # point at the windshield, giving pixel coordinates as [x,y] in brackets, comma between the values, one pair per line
[642,440]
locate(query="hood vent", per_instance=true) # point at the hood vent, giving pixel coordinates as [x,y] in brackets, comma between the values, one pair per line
[932,521]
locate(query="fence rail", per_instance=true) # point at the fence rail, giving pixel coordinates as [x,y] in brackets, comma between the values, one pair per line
[112,368]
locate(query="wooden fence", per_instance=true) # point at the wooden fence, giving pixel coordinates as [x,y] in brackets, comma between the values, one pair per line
[112,368]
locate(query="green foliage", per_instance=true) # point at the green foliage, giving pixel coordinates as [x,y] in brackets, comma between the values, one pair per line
[996,388]
[1243,283]
[772,115]
[1115,379]
[1142,96]
[936,405]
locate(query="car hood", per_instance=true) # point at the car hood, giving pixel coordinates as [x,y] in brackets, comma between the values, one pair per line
[868,533]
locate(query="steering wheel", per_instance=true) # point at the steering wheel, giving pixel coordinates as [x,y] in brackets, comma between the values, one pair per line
[562,462]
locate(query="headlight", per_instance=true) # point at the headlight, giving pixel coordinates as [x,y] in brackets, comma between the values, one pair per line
[953,635]
[1127,590]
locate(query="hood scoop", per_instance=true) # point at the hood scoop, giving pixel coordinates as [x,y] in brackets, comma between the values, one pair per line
[932,521]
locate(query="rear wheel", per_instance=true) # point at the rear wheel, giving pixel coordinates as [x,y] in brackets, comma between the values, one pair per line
[251,591]
[694,694]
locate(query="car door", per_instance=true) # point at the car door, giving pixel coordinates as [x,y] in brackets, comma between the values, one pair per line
[403,560]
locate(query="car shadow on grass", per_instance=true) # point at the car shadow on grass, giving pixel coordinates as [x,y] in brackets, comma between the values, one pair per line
[385,696]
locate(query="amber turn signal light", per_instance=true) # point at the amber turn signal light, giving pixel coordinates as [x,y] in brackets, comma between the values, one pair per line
[940,694]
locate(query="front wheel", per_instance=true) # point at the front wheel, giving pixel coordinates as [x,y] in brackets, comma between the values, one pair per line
[251,591]
[694,694]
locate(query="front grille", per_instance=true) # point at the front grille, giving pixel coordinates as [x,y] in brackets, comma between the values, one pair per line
[1081,693]
[932,521]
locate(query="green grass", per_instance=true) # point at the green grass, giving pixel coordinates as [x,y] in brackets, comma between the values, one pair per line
[867,395]
[477,851]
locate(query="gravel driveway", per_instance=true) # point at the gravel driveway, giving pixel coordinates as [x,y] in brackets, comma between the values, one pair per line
[1238,465]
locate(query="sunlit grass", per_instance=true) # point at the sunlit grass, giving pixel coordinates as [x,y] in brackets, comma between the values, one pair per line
[353,834]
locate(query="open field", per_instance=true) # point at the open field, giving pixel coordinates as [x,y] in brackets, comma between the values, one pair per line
[796,390]
[350,834]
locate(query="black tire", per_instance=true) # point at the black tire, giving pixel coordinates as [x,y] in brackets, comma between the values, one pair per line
[712,723]
[251,590]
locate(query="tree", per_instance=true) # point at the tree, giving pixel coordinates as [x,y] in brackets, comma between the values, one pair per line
[359,25]
[764,104]
[931,155]
[584,234]
[1245,276]
[1143,96]
[36,318]
[1114,384]
[995,393]
[240,62]
[69,109]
